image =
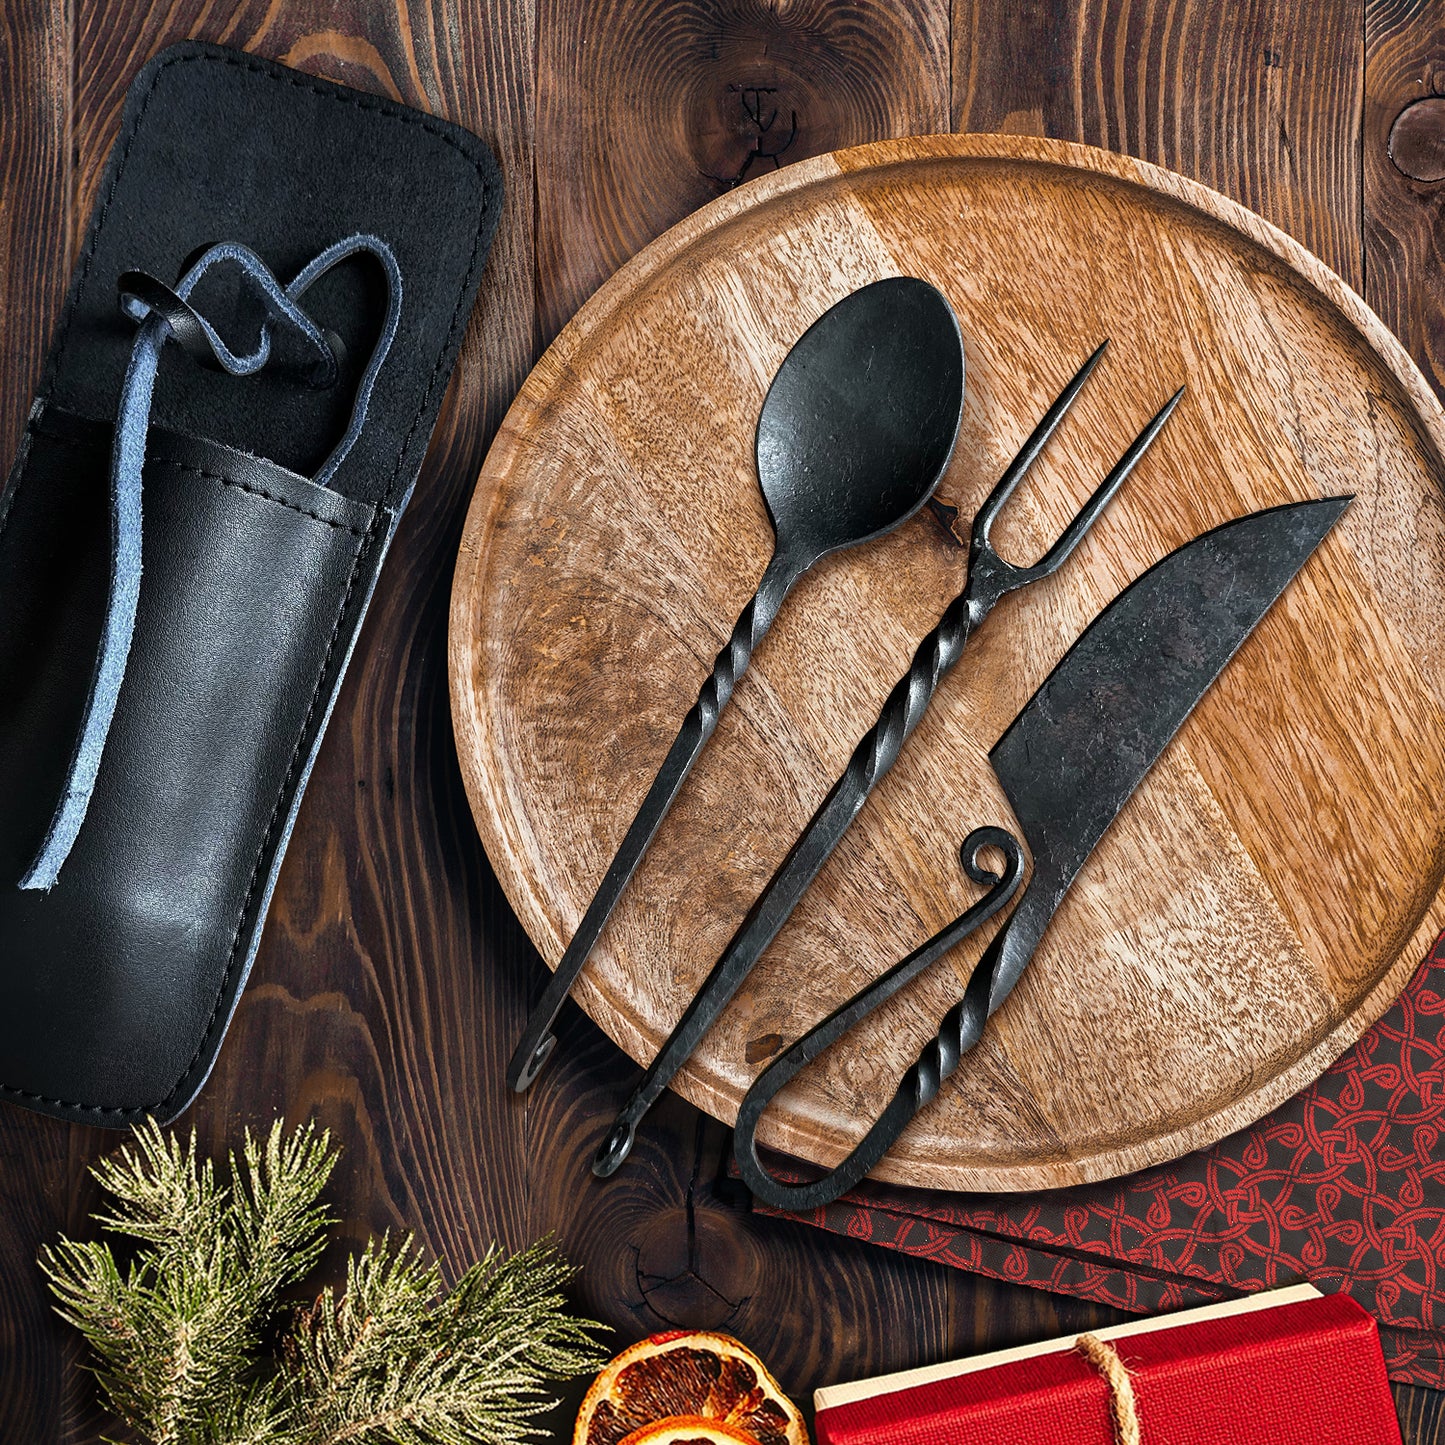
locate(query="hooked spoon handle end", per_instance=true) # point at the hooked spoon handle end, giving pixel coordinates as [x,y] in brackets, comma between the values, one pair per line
[538,1040]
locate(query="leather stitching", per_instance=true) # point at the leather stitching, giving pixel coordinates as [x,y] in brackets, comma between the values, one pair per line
[369,539]
[220,477]
[225,481]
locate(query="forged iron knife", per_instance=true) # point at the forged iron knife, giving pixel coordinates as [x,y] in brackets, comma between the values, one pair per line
[1068,763]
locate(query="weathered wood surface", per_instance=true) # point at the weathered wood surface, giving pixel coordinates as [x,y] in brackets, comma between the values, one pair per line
[393,976]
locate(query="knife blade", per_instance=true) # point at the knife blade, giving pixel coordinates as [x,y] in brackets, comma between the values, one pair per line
[1068,763]
[1083,743]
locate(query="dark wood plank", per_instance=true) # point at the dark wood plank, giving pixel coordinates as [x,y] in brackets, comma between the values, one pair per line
[1422,1415]
[1259,99]
[646,109]
[1404,120]
[35,179]
[38,1165]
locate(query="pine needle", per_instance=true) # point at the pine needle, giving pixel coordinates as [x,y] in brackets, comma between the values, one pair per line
[176,1325]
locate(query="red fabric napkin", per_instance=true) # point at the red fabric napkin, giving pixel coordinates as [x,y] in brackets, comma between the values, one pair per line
[1344,1186]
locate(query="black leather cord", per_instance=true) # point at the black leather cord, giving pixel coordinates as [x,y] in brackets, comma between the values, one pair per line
[191,333]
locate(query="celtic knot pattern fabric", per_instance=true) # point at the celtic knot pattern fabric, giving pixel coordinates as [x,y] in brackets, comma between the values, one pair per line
[1344,1185]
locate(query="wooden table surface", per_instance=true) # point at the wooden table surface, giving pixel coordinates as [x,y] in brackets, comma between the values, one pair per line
[393,978]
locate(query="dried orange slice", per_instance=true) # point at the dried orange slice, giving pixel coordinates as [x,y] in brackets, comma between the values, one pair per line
[691,1373]
[687,1430]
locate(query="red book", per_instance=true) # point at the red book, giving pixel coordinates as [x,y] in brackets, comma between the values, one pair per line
[1284,1367]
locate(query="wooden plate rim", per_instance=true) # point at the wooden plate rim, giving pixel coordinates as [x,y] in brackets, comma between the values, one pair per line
[474,739]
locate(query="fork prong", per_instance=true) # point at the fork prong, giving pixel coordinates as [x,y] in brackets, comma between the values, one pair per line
[1088,514]
[1028,453]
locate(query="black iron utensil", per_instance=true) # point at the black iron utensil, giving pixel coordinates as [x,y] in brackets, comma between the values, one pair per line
[989,578]
[856,430]
[1068,763]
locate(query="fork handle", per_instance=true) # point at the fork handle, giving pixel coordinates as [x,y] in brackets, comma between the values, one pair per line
[933,659]
[878,750]
[698,726]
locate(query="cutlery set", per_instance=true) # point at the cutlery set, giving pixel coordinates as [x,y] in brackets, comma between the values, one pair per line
[857,429]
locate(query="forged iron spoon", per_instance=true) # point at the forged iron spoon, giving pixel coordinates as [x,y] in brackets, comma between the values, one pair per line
[856,430]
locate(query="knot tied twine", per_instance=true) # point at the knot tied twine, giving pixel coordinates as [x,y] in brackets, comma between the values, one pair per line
[1105,1359]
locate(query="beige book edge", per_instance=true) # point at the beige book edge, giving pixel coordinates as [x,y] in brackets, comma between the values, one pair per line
[833,1395]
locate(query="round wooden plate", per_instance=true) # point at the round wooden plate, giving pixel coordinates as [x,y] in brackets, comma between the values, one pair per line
[1273,883]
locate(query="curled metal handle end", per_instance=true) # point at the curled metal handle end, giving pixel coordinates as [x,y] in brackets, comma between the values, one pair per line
[614,1149]
[969,853]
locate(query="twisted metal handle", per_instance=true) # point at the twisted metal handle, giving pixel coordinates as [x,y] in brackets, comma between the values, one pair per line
[990,983]
[933,660]
[737,652]
[961,1029]
[958,1033]
[698,726]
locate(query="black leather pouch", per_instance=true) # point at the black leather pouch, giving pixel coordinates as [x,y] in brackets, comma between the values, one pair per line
[118,980]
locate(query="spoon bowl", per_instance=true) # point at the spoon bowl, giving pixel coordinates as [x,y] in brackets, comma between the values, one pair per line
[861,419]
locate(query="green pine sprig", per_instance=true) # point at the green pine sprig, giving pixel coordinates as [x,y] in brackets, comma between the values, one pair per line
[178,1325]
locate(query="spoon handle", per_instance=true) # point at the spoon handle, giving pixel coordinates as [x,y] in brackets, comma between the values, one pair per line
[698,726]
[875,754]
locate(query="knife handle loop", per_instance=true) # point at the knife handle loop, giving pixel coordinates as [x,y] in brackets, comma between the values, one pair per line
[922,1081]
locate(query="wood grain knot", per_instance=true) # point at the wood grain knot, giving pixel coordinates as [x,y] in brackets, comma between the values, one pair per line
[1417,140]
[697,1268]
[346,59]
[686,99]
[741,87]
[763,1047]
[771,84]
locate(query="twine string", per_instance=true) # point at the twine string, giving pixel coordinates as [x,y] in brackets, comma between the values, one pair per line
[1105,1359]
